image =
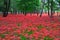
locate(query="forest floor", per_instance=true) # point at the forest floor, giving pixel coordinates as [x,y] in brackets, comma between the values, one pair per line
[29,27]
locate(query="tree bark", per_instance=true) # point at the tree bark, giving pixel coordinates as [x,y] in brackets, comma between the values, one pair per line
[52,8]
[48,8]
[42,7]
[6,7]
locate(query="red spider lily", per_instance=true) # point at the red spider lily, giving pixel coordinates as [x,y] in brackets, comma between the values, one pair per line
[56,38]
[29,26]
[36,35]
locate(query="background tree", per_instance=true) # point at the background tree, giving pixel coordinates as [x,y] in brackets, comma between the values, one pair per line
[31,6]
[6,7]
[1,5]
[26,6]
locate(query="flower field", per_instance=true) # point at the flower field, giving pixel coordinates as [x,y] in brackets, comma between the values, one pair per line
[20,27]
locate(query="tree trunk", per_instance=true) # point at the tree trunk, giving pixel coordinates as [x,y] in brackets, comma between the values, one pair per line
[52,8]
[42,7]
[48,8]
[6,7]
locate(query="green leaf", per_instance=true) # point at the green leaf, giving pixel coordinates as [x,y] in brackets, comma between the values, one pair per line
[40,26]
[2,35]
[28,5]
[31,32]
[48,38]
[23,37]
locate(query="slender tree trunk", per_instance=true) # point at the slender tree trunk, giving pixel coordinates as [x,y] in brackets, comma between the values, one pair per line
[41,12]
[48,8]
[52,8]
[42,7]
[6,7]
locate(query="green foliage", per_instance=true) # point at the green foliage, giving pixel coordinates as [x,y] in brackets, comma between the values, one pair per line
[31,32]
[2,35]
[54,4]
[23,37]
[1,5]
[48,38]
[58,1]
[28,5]
[40,26]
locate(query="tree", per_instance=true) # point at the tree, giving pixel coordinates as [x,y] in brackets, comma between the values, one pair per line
[48,7]
[42,6]
[53,7]
[6,7]
[1,5]
[26,6]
